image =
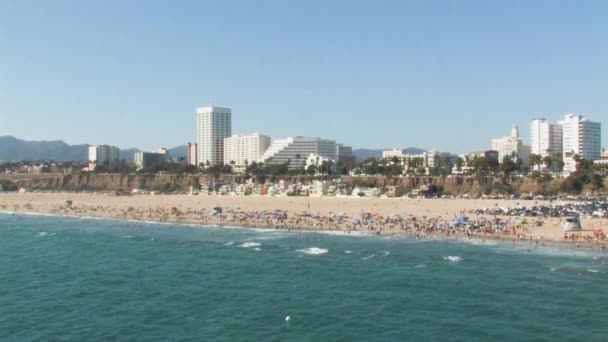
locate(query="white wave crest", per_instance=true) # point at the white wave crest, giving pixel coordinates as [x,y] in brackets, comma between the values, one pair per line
[229,243]
[250,244]
[42,234]
[420,266]
[369,257]
[452,258]
[313,251]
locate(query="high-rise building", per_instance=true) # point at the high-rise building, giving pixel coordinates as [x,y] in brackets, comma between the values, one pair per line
[103,155]
[546,139]
[510,145]
[582,137]
[296,150]
[246,148]
[344,154]
[192,154]
[213,125]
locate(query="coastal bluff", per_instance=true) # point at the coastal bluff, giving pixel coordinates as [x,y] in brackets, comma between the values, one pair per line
[182,182]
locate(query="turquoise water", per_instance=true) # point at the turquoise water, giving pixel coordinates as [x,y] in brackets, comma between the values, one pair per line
[82,280]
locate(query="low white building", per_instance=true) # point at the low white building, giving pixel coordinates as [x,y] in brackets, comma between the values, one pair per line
[245,148]
[395,152]
[103,155]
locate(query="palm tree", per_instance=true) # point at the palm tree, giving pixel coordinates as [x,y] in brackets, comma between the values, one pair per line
[536,159]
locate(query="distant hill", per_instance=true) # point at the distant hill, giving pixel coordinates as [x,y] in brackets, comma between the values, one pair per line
[13,149]
[364,153]
[179,152]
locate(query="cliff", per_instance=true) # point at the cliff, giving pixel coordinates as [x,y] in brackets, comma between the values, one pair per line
[182,182]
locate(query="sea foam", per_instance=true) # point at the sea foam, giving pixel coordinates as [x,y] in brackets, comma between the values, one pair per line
[452,258]
[250,244]
[313,251]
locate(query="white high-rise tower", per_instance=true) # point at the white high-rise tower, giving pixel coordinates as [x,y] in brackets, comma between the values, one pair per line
[581,137]
[213,124]
[545,138]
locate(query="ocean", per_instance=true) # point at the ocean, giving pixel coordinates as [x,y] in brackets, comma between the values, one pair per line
[98,280]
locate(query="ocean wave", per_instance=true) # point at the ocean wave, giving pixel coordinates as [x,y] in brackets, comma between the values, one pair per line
[386,253]
[41,234]
[229,243]
[313,251]
[250,244]
[348,252]
[369,257]
[420,266]
[452,258]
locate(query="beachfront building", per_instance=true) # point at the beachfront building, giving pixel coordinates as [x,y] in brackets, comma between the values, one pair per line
[294,151]
[546,139]
[147,159]
[344,155]
[242,149]
[582,137]
[103,155]
[507,146]
[213,125]
[191,155]
[605,154]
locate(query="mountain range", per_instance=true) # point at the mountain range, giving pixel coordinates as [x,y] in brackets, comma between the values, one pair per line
[13,149]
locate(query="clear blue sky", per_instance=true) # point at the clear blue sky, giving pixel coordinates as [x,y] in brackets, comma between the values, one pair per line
[435,74]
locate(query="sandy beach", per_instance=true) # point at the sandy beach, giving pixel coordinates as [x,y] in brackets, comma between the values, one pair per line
[418,217]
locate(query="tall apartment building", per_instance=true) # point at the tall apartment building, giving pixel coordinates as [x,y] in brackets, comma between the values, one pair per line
[506,146]
[103,155]
[297,149]
[546,139]
[214,124]
[191,157]
[582,137]
[241,149]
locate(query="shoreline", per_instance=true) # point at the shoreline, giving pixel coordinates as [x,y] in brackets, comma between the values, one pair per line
[411,219]
[475,241]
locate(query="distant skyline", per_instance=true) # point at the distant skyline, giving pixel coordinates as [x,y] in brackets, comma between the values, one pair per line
[449,75]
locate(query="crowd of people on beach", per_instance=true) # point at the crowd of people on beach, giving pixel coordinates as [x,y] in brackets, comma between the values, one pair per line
[481,226]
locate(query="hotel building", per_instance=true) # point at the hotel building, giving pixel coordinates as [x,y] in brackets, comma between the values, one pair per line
[296,150]
[546,139]
[582,137]
[214,124]
[103,155]
[243,149]
[506,146]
